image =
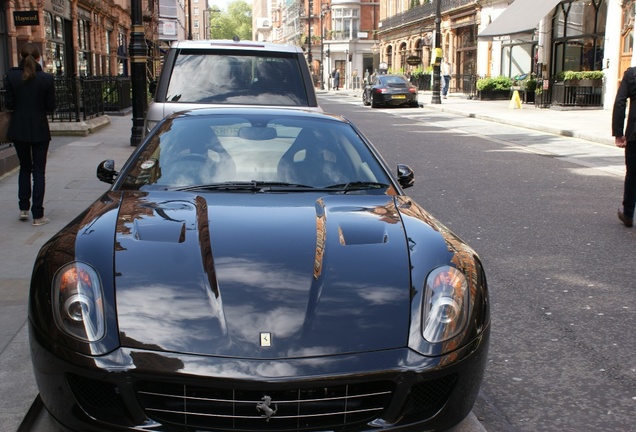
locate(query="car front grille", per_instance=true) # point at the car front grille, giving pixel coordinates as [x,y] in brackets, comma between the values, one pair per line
[191,407]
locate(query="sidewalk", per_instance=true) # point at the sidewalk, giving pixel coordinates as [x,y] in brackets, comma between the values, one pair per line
[589,124]
[72,186]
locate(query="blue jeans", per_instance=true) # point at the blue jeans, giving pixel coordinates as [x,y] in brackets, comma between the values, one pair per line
[32,157]
[445,84]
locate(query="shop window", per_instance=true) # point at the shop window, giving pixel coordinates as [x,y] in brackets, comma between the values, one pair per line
[578,35]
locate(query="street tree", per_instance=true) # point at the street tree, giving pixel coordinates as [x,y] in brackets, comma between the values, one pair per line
[236,21]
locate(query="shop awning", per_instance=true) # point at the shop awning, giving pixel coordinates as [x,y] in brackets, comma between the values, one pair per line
[520,18]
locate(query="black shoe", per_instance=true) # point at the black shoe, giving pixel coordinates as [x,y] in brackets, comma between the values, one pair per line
[629,222]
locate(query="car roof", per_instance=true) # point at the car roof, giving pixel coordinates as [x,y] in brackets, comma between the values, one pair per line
[268,111]
[238,45]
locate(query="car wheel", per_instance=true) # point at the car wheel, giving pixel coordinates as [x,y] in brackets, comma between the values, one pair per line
[365,101]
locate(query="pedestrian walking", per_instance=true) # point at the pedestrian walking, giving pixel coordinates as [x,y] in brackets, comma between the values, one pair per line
[625,137]
[336,79]
[30,93]
[446,77]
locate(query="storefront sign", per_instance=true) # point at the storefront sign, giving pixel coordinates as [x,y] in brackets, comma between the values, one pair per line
[26,18]
[414,60]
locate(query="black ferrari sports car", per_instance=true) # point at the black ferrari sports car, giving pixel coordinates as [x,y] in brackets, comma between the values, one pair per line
[389,90]
[257,269]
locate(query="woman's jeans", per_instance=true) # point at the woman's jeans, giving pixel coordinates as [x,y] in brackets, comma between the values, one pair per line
[32,157]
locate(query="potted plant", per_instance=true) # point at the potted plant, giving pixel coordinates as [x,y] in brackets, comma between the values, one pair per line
[578,89]
[581,78]
[529,87]
[497,88]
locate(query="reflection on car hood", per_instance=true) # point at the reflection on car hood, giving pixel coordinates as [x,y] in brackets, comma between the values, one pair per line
[261,275]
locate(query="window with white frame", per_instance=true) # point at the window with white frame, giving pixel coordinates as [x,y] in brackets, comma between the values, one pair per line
[345,23]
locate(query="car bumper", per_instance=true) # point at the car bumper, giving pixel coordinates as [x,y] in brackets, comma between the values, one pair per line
[387,99]
[397,390]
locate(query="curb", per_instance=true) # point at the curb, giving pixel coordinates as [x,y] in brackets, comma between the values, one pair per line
[9,160]
[83,128]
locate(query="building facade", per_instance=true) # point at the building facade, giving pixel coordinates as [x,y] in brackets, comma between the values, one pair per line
[511,38]
[335,34]
[86,37]
[79,38]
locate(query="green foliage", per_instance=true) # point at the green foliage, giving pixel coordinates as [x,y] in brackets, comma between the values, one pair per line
[417,72]
[579,75]
[529,84]
[236,21]
[496,83]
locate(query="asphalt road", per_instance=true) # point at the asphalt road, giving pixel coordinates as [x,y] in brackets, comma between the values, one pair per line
[542,215]
[561,268]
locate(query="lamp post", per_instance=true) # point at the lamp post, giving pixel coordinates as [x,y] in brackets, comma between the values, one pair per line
[309,58]
[138,55]
[208,18]
[323,11]
[436,99]
[375,49]
[346,69]
[189,20]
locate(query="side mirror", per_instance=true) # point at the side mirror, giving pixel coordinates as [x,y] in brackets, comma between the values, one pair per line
[106,171]
[406,176]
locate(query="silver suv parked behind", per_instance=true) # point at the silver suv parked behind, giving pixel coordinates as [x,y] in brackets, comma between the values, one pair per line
[202,73]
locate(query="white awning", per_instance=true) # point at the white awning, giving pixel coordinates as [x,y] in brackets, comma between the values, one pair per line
[519,18]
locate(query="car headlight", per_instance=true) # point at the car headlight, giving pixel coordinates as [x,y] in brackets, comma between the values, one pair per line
[78,304]
[445,304]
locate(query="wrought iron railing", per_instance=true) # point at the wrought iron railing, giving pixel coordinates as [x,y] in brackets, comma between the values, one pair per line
[460,83]
[117,93]
[562,94]
[576,95]
[81,98]
[421,12]
[464,83]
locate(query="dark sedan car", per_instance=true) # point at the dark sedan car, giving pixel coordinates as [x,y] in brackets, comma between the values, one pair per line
[257,269]
[389,90]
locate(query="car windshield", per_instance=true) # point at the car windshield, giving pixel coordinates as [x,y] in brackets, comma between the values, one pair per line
[387,80]
[239,78]
[255,152]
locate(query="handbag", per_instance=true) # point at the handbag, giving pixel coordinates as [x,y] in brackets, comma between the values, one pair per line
[5,120]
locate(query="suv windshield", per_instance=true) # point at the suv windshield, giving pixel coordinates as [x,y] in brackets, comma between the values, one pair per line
[239,78]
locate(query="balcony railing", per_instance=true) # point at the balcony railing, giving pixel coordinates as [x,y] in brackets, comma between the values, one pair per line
[421,12]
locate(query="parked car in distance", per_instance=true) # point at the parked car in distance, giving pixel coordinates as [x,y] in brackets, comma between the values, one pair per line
[257,269]
[200,73]
[389,90]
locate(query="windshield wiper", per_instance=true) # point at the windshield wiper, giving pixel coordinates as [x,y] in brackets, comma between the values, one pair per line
[358,185]
[251,186]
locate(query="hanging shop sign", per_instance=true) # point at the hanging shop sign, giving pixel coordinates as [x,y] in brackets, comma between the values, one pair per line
[26,18]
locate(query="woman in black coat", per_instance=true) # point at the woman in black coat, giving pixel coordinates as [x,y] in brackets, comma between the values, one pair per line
[30,93]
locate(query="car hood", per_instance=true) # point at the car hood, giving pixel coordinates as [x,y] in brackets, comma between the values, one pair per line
[261,275]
